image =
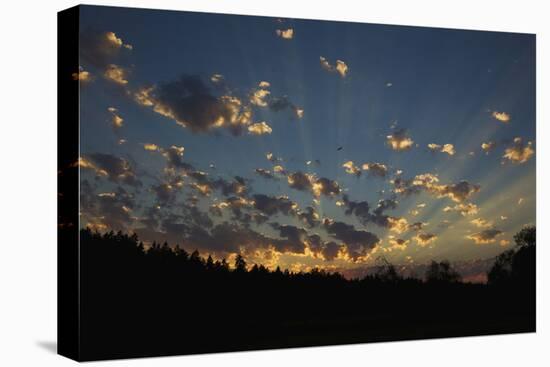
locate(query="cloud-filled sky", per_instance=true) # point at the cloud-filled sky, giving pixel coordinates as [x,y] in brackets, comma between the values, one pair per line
[306,143]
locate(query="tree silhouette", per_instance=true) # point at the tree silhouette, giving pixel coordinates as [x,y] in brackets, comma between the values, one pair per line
[441,272]
[158,299]
[517,267]
[240,264]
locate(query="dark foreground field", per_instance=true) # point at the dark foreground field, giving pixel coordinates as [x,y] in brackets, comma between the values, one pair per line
[165,302]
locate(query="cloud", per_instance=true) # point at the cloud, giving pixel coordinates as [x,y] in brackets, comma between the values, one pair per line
[114,168]
[417,226]
[456,192]
[309,182]
[482,223]
[328,250]
[265,173]
[174,158]
[294,239]
[277,104]
[258,96]
[378,217]
[309,217]
[286,34]
[99,49]
[501,116]
[82,75]
[279,169]
[116,74]
[398,243]
[331,250]
[189,102]
[360,209]
[164,192]
[429,183]
[398,225]
[341,68]
[106,210]
[216,78]
[519,152]
[116,120]
[399,140]
[485,237]
[357,243]
[424,239]
[259,128]
[351,168]
[271,205]
[463,209]
[376,169]
[487,147]
[446,148]
[151,147]
[520,201]
[117,42]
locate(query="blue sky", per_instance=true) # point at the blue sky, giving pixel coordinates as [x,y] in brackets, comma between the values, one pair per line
[430,86]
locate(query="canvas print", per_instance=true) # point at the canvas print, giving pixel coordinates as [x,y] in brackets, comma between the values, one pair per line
[231,183]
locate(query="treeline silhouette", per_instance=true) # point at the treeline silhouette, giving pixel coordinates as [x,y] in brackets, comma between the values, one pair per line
[163,300]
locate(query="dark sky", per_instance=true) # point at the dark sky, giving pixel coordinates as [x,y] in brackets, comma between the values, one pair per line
[306,143]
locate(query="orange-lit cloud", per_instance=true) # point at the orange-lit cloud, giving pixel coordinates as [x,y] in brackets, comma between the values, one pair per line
[446,148]
[519,152]
[341,68]
[116,41]
[82,76]
[485,237]
[424,239]
[501,116]
[463,209]
[351,168]
[399,140]
[285,33]
[260,128]
[116,120]
[482,223]
[376,169]
[116,74]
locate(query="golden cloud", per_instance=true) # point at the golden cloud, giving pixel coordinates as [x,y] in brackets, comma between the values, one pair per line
[116,120]
[376,169]
[482,223]
[116,74]
[485,237]
[399,140]
[258,96]
[351,168]
[116,41]
[398,225]
[501,116]
[424,239]
[82,76]
[285,33]
[398,243]
[341,68]
[259,128]
[151,147]
[446,148]
[463,209]
[519,152]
